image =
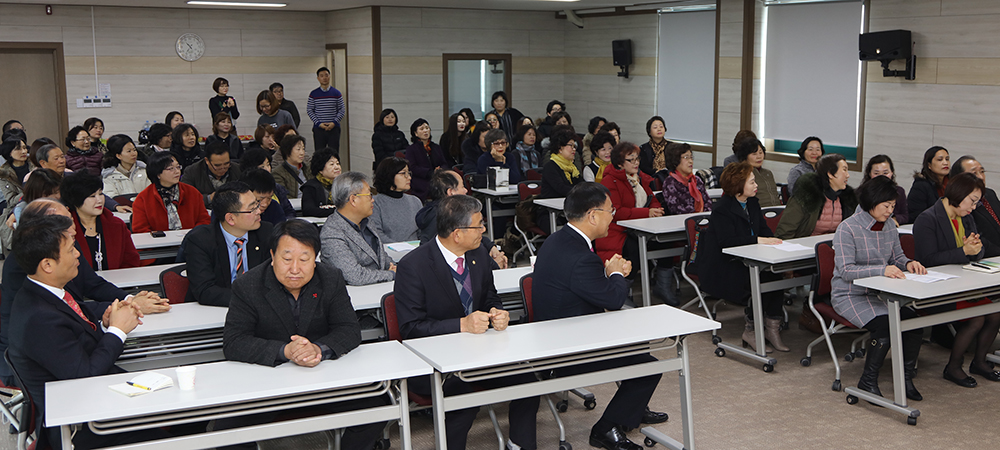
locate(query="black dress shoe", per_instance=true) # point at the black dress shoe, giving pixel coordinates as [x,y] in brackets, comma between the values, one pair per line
[613,439]
[651,417]
[968,382]
[991,375]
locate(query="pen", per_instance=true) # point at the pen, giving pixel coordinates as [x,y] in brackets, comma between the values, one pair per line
[138,386]
[982,266]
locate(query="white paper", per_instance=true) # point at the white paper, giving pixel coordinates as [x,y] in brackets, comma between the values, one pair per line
[931,277]
[400,247]
[104,89]
[791,247]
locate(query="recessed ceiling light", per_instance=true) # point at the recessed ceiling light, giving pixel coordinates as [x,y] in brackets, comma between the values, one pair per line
[238,4]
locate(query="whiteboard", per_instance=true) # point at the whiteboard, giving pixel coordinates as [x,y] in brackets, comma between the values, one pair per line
[685,75]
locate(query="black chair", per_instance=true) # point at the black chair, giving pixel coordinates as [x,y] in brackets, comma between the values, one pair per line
[25,441]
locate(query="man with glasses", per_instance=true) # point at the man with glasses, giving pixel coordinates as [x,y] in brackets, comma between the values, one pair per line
[447,287]
[235,242]
[350,242]
[498,156]
[987,214]
[571,280]
[212,172]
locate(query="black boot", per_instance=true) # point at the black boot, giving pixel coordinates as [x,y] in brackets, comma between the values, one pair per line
[911,348]
[874,357]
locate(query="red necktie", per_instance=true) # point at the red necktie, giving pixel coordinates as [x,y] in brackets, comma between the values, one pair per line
[76,308]
[460,262]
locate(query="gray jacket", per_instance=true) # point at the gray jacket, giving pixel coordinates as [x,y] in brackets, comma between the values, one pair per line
[345,249]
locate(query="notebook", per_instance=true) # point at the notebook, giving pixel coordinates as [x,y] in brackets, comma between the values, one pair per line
[143,384]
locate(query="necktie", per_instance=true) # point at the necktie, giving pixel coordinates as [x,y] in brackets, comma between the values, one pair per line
[461,265]
[465,291]
[239,256]
[76,308]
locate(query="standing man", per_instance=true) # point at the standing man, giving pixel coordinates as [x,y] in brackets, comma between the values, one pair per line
[296,311]
[326,109]
[283,103]
[447,287]
[571,280]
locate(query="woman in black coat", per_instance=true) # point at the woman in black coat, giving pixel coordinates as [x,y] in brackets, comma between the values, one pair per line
[424,156]
[929,183]
[737,220]
[937,232]
[473,147]
[316,198]
[387,139]
[559,175]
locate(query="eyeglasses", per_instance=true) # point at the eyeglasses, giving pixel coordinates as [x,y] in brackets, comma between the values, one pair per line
[173,168]
[499,143]
[406,173]
[369,194]
[83,139]
[687,157]
[613,210]
[492,120]
[254,207]
[224,165]
[632,160]
[481,226]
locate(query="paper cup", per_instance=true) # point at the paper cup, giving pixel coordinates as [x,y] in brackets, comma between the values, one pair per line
[185,377]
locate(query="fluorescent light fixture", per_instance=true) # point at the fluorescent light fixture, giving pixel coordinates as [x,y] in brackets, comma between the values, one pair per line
[791,2]
[688,8]
[237,4]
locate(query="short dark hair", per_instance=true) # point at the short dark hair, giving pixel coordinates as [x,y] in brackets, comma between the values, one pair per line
[455,212]
[747,147]
[218,83]
[612,126]
[413,130]
[961,186]
[282,131]
[956,166]
[41,183]
[592,127]
[320,158]
[494,135]
[672,154]
[38,239]
[584,197]
[216,148]
[480,129]
[10,123]
[548,108]
[116,145]
[828,165]
[523,130]
[441,181]
[877,159]
[322,69]
[621,151]
[178,135]
[499,94]
[560,115]
[77,186]
[561,136]
[386,112]
[258,134]
[158,131]
[259,180]
[227,199]
[384,179]
[42,154]
[8,146]
[288,143]
[157,163]
[297,229]
[73,133]
[876,191]
[601,138]
[14,133]
[734,177]
[91,122]
[925,167]
[649,124]
[741,136]
[265,95]
[36,146]
[171,115]
[255,157]
[276,85]
[218,119]
[805,144]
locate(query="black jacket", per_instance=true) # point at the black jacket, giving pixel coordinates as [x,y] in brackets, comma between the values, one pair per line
[208,265]
[233,141]
[922,195]
[187,158]
[427,228]
[989,228]
[314,195]
[935,238]
[729,226]
[289,106]
[554,181]
[569,279]
[199,176]
[386,141]
[646,158]
[260,320]
[470,155]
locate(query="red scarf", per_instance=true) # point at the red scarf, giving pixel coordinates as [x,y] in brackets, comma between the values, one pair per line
[692,185]
[427,146]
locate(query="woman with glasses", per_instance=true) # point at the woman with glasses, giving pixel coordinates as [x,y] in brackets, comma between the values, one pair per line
[424,157]
[492,120]
[105,241]
[167,204]
[317,199]
[123,173]
[683,191]
[395,211]
[499,156]
[559,174]
[82,155]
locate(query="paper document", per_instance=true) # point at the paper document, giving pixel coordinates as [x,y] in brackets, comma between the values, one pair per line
[401,247]
[791,247]
[931,277]
[143,384]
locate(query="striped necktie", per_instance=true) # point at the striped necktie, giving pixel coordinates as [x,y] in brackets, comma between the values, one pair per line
[239,256]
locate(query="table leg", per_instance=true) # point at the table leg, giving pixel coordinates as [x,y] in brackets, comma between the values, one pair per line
[896,348]
[66,433]
[489,216]
[552,220]
[687,416]
[644,270]
[404,416]
[758,309]
[437,392]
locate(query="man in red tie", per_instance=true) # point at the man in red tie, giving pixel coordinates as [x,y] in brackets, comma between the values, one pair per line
[54,335]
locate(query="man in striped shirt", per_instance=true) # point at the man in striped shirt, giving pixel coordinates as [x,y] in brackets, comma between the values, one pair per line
[326,109]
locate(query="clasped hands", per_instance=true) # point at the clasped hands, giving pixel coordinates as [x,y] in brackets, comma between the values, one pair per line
[478,322]
[124,315]
[302,352]
[617,264]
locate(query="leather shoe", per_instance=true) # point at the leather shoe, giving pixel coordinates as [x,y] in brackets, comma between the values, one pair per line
[613,439]
[991,375]
[967,382]
[651,417]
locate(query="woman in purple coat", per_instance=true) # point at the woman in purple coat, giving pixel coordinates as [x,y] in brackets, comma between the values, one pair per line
[424,156]
[683,191]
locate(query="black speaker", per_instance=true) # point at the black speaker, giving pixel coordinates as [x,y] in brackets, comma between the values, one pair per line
[621,50]
[885,45]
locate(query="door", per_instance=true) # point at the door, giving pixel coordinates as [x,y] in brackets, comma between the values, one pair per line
[34,89]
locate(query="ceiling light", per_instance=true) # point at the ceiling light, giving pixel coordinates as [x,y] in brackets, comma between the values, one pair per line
[238,4]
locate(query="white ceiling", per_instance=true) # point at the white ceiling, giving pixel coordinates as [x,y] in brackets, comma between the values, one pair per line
[329,5]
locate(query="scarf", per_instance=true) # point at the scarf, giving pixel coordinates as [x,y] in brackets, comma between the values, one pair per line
[692,184]
[171,197]
[327,184]
[637,190]
[427,147]
[601,165]
[659,156]
[567,167]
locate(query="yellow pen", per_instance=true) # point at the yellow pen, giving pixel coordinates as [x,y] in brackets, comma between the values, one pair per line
[138,386]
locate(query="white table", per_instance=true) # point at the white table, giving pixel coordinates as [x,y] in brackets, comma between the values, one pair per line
[898,293]
[296,203]
[164,247]
[125,217]
[396,256]
[190,333]
[542,346]
[554,206]
[500,195]
[664,229]
[135,277]
[232,387]
[319,221]
[760,257]
[714,193]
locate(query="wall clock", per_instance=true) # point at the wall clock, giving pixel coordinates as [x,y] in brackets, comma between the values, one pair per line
[190,47]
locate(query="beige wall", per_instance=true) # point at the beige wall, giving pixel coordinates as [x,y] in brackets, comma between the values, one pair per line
[354,28]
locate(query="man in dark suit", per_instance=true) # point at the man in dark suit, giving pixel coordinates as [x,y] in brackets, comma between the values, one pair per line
[445,183]
[446,286]
[54,335]
[987,213]
[215,170]
[571,280]
[235,242]
[297,311]
[88,283]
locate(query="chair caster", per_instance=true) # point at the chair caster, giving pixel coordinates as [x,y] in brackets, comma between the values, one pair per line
[852,400]
[649,442]
[590,404]
[716,340]
[806,361]
[562,405]
[911,421]
[836,386]
[859,353]
[720,352]
[768,368]
[382,444]
[784,326]
[849,357]
[563,445]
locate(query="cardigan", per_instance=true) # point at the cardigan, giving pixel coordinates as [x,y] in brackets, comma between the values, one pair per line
[150,214]
[394,219]
[119,251]
[623,199]
[800,216]
[722,275]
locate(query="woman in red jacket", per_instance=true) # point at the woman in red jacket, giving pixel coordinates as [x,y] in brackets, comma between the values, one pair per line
[167,204]
[104,240]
